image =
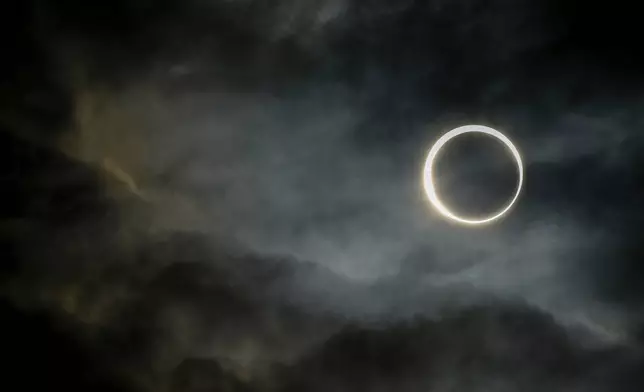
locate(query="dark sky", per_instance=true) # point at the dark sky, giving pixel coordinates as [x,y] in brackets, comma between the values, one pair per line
[226,195]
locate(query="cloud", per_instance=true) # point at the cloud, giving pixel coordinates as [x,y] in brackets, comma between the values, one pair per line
[495,348]
[238,203]
[141,307]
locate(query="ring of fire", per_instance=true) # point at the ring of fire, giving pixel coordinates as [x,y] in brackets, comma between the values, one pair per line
[430,188]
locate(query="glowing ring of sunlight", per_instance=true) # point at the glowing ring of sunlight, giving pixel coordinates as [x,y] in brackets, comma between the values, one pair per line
[430,188]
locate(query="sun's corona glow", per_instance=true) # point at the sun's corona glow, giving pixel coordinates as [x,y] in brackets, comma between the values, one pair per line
[429,183]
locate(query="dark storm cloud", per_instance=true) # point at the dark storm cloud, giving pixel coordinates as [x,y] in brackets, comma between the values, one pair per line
[134,302]
[204,139]
[492,348]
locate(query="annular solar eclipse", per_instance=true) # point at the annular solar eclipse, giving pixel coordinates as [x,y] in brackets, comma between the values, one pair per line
[430,184]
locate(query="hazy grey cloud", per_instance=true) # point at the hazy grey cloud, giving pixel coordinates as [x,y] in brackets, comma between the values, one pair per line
[250,184]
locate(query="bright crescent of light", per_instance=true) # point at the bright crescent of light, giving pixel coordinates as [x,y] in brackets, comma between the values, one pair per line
[430,188]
